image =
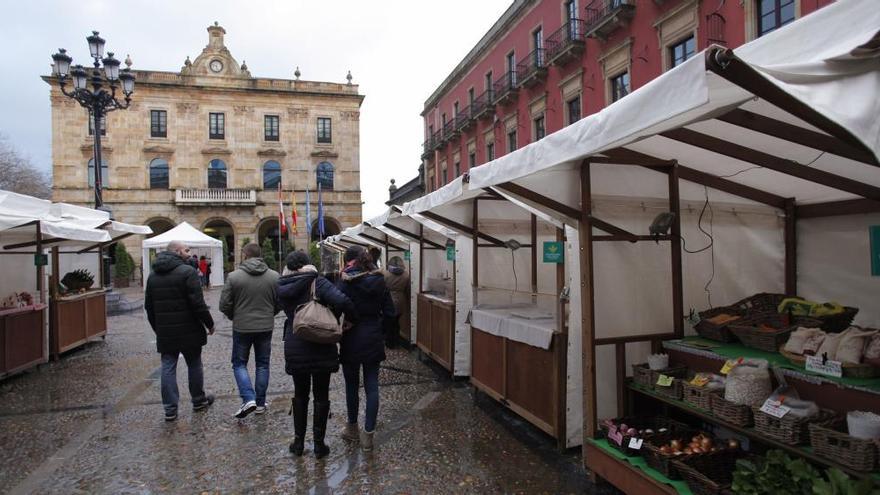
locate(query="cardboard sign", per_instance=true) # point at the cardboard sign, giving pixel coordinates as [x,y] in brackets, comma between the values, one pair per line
[615,436]
[874,232]
[450,253]
[700,380]
[665,381]
[775,408]
[828,368]
[407,255]
[635,443]
[553,252]
[730,364]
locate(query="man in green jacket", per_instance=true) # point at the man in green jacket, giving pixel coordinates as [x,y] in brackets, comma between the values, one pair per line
[248,299]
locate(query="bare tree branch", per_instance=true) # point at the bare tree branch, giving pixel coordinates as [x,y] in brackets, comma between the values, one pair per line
[18,174]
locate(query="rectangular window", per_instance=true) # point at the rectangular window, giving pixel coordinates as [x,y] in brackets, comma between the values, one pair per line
[619,86]
[271,130]
[511,141]
[457,169]
[539,128]
[216,126]
[325,133]
[511,70]
[443,177]
[682,51]
[455,109]
[443,121]
[92,125]
[158,123]
[490,152]
[574,109]
[538,45]
[471,96]
[773,14]
[472,160]
[489,80]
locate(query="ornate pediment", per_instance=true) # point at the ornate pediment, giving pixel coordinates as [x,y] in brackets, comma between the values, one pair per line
[270,152]
[324,154]
[215,59]
[158,149]
[216,150]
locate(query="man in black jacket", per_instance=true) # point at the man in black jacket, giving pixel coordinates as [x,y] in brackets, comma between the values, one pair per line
[181,320]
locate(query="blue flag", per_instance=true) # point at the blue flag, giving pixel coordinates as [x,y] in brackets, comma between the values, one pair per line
[320,213]
[308,214]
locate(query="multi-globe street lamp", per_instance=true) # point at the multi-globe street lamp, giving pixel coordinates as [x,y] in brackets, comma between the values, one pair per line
[94,88]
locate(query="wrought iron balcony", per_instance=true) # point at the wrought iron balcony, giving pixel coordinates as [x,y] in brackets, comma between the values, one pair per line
[484,105]
[506,87]
[566,43]
[215,196]
[428,147]
[604,16]
[437,140]
[464,119]
[449,130]
[532,69]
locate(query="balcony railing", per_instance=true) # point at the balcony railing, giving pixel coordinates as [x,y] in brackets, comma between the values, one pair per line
[216,196]
[464,119]
[428,147]
[449,130]
[437,140]
[566,43]
[506,87]
[604,16]
[484,105]
[533,68]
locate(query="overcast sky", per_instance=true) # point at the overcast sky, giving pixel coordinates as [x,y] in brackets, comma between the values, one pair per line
[397,50]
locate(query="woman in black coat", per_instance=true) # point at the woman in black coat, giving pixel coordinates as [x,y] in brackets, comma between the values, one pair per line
[309,363]
[363,345]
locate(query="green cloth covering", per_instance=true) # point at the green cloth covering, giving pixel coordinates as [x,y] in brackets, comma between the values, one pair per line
[737,350]
[680,486]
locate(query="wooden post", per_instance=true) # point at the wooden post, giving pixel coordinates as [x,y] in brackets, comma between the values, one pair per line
[585,235]
[386,252]
[675,248]
[620,363]
[55,278]
[41,287]
[534,240]
[562,351]
[476,248]
[790,247]
[421,256]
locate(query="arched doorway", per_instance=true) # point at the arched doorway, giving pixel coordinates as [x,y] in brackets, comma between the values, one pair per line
[331,227]
[268,229]
[222,229]
[159,226]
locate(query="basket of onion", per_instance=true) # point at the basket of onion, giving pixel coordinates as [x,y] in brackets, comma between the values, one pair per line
[660,455]
[620,431]
[712,473]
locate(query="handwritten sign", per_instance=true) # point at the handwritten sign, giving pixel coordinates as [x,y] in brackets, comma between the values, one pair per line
[730,364]
[827,368]
[775,408]
[635,443]
[665,381]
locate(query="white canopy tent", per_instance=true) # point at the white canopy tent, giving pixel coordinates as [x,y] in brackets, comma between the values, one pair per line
[763,145]
[193,238]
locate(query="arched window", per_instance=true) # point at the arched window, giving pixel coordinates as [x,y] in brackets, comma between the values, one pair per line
[325,175]
[271,174]
[217,174]
[159,174]
[104,173]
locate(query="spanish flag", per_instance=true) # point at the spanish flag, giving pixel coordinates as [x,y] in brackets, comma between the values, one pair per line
[293,210]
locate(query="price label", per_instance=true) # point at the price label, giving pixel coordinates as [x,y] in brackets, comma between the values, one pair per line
[665,381]
[730,364]
[828,368]
[775,408]
[700,380]
[635,443]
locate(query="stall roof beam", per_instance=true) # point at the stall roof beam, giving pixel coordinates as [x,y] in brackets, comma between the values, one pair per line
[789,167]
[409,234]
[380,241]
[795,134]
[643,161]
[356,243]
[102,244]
[713,181]
[724,63]
[461,228]
[34,243]
[848,207]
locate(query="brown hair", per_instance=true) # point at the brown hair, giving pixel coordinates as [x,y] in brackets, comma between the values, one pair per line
[252,250]
[362,258]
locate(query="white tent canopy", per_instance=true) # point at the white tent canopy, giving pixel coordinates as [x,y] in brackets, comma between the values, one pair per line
[193,238]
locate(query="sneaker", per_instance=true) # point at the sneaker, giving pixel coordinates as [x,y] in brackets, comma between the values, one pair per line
[245,409]
[367,440]
[169,417]
[209,399]
[261,409]
[350,432]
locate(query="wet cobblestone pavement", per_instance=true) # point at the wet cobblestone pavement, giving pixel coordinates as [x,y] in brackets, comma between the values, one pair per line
[93,423]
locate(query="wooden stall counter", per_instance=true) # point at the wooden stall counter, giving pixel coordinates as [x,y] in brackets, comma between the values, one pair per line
[21,338]
[76,319]
[436,328]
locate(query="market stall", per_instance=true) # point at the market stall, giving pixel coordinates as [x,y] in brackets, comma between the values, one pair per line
[199,243]
[762,178]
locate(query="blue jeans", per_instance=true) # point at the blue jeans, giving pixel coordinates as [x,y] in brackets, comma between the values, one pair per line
[351,372]
[241,351]
[170,394]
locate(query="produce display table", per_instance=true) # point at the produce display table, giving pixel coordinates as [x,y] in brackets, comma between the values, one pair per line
[76,319]
[436,328]
[21,338]
[629,474]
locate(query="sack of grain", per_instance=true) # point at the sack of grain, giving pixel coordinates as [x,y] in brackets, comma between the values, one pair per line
[748,383]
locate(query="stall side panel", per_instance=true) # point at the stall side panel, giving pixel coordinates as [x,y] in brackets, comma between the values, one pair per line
[464,301]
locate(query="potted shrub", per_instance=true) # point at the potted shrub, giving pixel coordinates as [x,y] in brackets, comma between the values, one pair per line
[124,266]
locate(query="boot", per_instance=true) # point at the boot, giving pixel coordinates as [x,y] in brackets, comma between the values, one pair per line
[300,409]
[350,432]
[319,429]
[367,440]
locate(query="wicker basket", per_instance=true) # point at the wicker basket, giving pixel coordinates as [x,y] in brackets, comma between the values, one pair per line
[718,331]
[673,391]
[829,440]
[728,411]
[663,462]
[697,396]
[751,334]
[788,429]
[709,474]
[863,370]
[647,377]
[839,322]
[642,423]
[763,302]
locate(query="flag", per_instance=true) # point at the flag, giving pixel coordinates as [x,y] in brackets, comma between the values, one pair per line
[293,211]
[308,214]
[282,227]
[320,213]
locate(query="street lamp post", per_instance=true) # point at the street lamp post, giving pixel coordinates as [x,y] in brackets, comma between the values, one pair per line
[101,97]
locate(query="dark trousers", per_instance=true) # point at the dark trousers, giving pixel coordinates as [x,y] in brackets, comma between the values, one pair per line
[318,383]
[352,373]
[170,394]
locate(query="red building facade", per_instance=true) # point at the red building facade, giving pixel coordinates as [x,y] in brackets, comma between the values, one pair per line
[547,63]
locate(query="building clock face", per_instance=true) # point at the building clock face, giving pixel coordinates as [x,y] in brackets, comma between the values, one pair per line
[216,65]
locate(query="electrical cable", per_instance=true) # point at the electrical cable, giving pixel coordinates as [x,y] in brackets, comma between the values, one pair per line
[513,265]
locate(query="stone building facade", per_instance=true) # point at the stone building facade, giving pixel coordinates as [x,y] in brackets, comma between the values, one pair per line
[208,145]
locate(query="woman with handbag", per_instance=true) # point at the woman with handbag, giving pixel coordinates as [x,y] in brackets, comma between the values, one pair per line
[363,345]
[309,363]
